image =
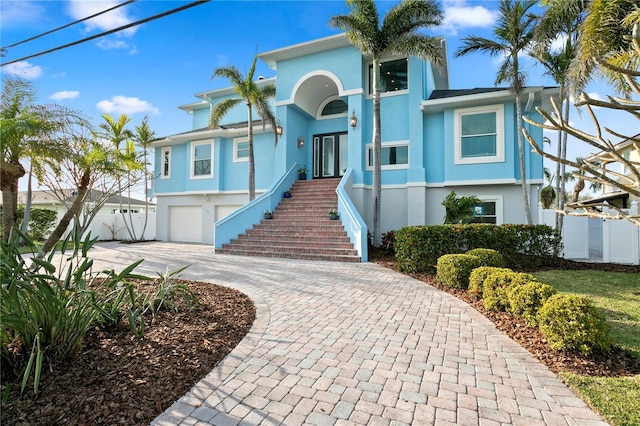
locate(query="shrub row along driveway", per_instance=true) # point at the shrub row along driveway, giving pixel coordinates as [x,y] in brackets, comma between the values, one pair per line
[355,344]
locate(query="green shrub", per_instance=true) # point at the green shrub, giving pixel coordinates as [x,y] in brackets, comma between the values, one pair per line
[494,288]
[525,300]
[488,257]
[571,322]
[419,247]
[454,269]
[46,310]
[477,277]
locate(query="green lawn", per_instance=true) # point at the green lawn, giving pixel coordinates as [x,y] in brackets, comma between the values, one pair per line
[617,295]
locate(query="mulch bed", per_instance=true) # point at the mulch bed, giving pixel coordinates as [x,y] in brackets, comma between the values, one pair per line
[614,362]
[118,378]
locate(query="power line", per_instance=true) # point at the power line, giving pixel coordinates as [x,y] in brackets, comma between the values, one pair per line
[67,25]
[124,27]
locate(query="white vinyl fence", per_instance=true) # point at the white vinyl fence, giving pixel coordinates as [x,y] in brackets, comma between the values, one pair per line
[112,227]
[603,240]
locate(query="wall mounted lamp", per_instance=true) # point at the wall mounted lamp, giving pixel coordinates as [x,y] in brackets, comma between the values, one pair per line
[353,121]
[279,129]
[300,142]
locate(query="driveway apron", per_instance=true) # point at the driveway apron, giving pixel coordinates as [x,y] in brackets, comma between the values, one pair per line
[339,343]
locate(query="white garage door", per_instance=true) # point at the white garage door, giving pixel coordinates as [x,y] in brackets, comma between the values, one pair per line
[185,224]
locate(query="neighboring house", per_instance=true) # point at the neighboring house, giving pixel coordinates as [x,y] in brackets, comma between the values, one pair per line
[48,200]
[434,140]
[609,193]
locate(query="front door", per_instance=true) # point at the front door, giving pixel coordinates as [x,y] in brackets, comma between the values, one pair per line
[329,155]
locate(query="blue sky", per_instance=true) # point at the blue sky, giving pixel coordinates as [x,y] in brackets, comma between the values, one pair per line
[153,68]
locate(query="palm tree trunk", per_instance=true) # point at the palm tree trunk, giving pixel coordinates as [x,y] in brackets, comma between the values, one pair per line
[252,167]
[10,174]
[523,175]
[563,169]
[146,206]
[57,233]
[377,152]
[559,176]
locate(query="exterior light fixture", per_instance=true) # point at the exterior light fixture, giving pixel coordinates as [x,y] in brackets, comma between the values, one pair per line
[279,129]
[300,142]
[353,121]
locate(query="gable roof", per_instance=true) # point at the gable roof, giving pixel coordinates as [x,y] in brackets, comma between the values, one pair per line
[606,157]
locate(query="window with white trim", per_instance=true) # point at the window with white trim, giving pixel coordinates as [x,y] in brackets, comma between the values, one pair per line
[201,160]
[479,135]
[166,163]
[393,155]
[489,210]
[240,150]
[394,76]
[333,107]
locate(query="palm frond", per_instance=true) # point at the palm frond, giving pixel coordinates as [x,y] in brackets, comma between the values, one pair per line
[417,45]
[409,16]
[473,44]
[230,72]
[219,110]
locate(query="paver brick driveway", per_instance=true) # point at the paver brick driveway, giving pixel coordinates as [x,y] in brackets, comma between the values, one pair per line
[338,343]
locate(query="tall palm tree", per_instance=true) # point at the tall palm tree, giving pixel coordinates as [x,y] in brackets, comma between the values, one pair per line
[513,35]
[255,96]
[116,132]
[144,136]
[561,18]
[396,35]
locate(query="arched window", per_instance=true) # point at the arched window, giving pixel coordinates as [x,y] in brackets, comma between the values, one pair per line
[334,107]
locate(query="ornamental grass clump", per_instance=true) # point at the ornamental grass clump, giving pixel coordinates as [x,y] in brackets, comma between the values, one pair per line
[453,270]
[488,257]
[571,322]
[477,277]
[495,286]
[526,300]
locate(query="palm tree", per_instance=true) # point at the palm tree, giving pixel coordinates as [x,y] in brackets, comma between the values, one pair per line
[561,18]
[144,136]
[606,39]
[254,95]
[514,34]
[27,131]
[396,35]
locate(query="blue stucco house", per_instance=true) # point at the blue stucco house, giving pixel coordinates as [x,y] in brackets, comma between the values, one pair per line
[434,140]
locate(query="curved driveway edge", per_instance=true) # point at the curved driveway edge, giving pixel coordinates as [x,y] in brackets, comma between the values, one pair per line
[340,343]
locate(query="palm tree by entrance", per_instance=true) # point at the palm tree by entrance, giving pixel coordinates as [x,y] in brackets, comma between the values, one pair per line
[514,34]
[396,35]
[254,95]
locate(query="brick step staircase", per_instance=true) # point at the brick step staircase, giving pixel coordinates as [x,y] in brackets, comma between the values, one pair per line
[300,228]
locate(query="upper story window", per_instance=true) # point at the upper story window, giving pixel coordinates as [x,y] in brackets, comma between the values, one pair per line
[240,150]
[201,159]
[479,135]
[332,107]
[394,76]
[626,154]
[166,163]
[393,155]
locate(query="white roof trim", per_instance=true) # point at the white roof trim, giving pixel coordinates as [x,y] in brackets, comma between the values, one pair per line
[307,48]
[438,105]
[208,134]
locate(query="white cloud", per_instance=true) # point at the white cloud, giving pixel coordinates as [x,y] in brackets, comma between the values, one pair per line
[79,9]
[106,44]
[15,13]
[64,94]
[24,70]
[126,105]
[459,15]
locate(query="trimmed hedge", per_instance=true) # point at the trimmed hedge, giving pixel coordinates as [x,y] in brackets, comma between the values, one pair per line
[570,322]
[419,247]
[454,269]
[488,257]
[477,277]
[526,300]
[494,289]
